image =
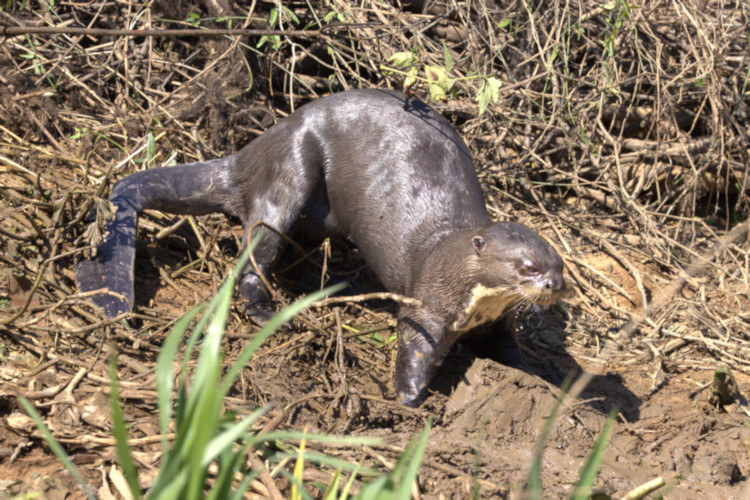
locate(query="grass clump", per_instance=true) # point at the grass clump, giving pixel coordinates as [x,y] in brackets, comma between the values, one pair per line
[207,457]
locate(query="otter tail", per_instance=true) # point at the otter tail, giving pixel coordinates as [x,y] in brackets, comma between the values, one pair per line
[190,189]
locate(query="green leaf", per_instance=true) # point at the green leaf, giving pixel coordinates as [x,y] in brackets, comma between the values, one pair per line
[504,23]
[448,58]
[150,148]
[268,329]
[333,486]
[435,73]
[413,462]
[495,85]
[224,441]
[291,14]
[490,91]
[193,19]
[402,59]
[449,84]
[411,78]
[534,480]
[398,482]
[349,484]
[78,134]
[380,340]
[437,93]
[483,98]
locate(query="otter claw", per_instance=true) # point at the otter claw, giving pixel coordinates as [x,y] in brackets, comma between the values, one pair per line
[260,311]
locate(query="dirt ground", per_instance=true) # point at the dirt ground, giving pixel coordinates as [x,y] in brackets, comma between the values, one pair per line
[634,167]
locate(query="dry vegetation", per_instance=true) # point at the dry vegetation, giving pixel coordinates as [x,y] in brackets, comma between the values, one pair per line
[620,131]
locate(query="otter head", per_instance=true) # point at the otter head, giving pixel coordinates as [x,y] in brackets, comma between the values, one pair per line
[510,264]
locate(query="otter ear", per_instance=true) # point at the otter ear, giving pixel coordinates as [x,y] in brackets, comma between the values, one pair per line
[478,243]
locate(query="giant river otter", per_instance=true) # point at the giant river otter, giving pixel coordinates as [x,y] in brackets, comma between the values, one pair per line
[384,171]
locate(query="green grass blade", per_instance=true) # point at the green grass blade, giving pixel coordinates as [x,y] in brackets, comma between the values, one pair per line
[298,472]
[239,493]
[294,482]
[204,424]
[353,477]
[172,476]
[413,463]
[55,446]
[332,462]
[534,479]
[164,377]
[120,432]
[375,489]
[223,441]
[211,356]
[582,490]
[396,485]
[203,434]
[192,341]
[333,486]
[268,329]
[204,403]
[320,438]
[173,489]
[223,297]
[198,412]
[229,463]
[207,373]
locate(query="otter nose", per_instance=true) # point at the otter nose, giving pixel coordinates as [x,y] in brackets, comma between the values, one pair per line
[555,282]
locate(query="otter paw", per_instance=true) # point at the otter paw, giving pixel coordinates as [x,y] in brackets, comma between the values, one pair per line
[411,400]
[260,311]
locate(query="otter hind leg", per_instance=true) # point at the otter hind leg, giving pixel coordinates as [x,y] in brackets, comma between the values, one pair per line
[279,209]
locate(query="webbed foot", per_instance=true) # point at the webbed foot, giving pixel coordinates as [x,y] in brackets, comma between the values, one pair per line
[256,303]
[260,311]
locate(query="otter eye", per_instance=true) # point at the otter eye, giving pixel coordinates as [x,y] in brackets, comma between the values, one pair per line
[528,268]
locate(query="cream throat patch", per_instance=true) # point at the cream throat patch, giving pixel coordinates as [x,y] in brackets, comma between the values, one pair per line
[486,305]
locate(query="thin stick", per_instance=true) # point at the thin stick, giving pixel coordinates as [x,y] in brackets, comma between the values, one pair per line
[7,31]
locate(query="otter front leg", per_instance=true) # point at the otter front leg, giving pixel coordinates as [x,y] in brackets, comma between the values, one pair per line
[497,341]
[422,345]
